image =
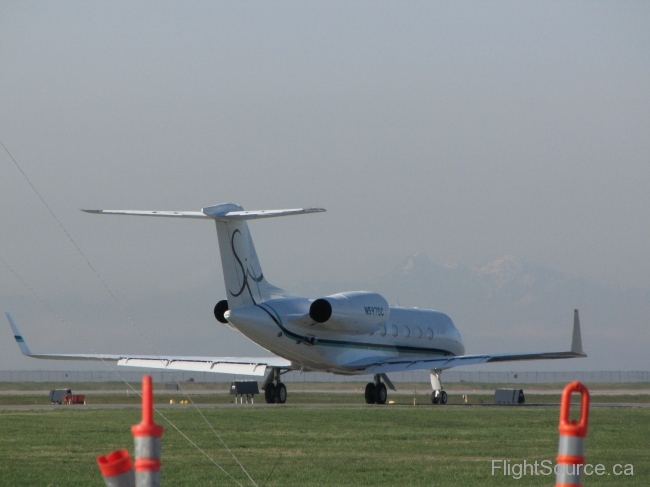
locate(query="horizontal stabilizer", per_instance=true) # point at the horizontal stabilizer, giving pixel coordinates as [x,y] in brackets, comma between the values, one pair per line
[222,212]
[178,214]
[229,211]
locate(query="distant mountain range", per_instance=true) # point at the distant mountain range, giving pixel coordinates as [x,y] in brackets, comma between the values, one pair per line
[507,305]
[512,305]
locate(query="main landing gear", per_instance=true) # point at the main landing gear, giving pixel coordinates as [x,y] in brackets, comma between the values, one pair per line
[438,396]
[376,392]
[275,392]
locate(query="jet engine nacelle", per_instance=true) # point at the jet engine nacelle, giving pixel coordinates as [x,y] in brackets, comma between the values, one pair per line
[219,313]
[219,310]
[357,313]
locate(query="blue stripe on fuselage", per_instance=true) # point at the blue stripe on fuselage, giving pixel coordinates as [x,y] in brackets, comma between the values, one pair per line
[347,344]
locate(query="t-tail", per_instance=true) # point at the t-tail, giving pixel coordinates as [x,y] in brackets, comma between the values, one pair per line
[242,273]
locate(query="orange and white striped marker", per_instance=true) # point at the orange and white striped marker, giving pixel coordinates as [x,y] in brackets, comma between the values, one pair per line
[571,450]
[117,469]
[148,444]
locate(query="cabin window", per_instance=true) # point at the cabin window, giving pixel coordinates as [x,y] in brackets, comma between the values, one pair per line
[418,332]
[429,333]
[406,332]
[382,330]
[394,328]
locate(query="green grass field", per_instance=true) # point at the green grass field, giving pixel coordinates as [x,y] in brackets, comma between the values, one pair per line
[333,445]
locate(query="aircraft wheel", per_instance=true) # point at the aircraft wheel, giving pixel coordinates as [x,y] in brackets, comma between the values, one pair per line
[280,393]
[269,394]
[370,393]
[380,393]
[435,398]
[443,397]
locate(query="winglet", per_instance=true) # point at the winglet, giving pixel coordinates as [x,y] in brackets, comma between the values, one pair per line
[18,337]
[576,342]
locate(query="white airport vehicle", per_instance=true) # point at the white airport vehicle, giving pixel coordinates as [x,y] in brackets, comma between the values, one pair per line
[349,333]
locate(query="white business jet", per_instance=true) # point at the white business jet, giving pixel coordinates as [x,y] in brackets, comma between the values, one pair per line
[350,333]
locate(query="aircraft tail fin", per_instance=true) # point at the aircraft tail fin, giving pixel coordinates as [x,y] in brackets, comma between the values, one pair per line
[242,273]
[245,282]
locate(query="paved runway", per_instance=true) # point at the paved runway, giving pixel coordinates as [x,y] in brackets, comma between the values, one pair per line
[80,407]
[403,391]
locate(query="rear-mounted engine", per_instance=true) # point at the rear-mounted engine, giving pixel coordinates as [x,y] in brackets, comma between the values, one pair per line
[356,313]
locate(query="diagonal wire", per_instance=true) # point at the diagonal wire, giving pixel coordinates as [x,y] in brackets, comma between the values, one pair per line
[273,470]
[198,447]
[105,362]
[117,302]
[116,371]
[198,410]
[59,223]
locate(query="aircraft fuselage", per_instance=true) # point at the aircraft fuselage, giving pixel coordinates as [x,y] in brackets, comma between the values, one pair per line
[409,332]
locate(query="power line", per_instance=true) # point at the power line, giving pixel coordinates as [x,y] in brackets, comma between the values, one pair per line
[124,312]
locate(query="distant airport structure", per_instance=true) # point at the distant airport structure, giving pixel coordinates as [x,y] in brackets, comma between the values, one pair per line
[606,376]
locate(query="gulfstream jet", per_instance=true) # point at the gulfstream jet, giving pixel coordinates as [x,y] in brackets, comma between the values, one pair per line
[349,333]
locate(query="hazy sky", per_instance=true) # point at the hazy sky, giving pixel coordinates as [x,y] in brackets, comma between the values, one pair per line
[464,130]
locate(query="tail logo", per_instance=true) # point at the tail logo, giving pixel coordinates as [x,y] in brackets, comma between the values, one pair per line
[246,272]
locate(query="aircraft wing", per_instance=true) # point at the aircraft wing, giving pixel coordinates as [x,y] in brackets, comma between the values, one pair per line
[222,365]
[441,363]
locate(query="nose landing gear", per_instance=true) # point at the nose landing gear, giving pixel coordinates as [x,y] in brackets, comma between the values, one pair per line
[438,396]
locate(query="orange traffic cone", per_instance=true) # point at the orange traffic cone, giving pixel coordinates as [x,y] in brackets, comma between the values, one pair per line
[117,469]
[571,450]
[148,443]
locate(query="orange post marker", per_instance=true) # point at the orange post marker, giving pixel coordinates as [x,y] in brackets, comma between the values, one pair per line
[571,450]
[147,439]
[117,469]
